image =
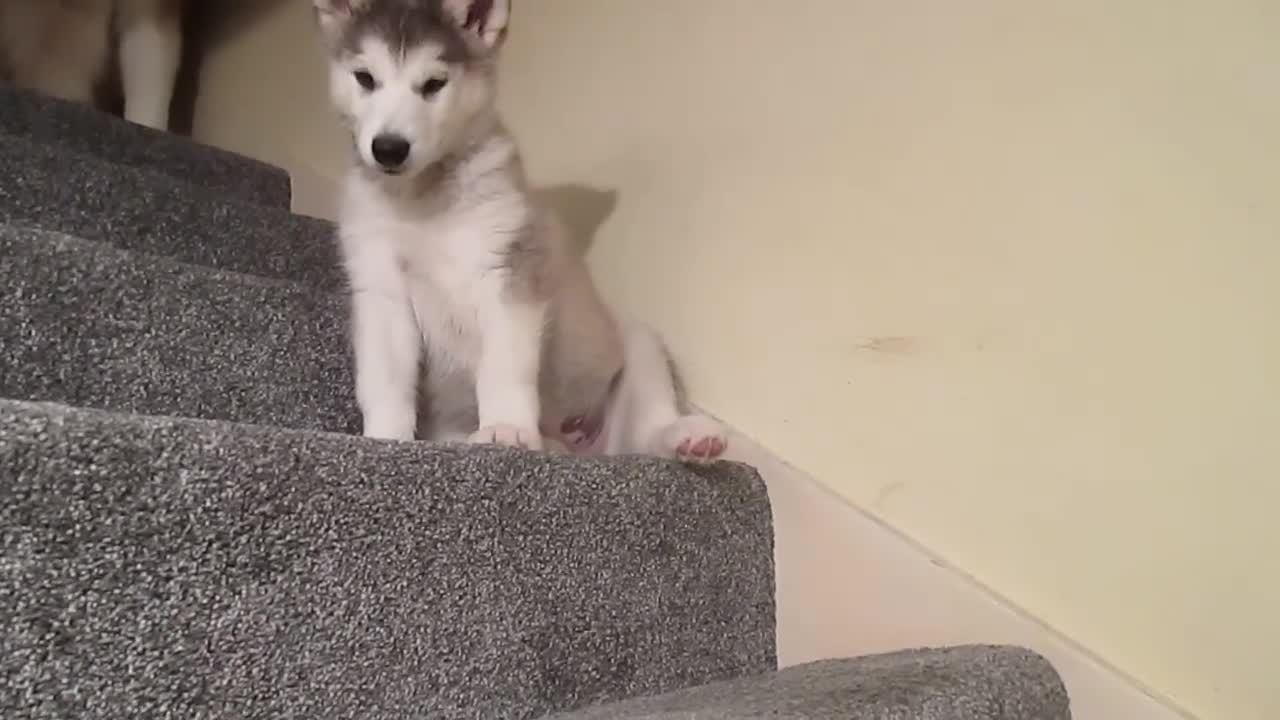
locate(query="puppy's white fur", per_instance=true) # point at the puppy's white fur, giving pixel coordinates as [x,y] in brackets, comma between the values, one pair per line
[452,266]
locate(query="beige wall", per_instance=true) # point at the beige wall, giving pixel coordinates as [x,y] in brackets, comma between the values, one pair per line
[1007,274]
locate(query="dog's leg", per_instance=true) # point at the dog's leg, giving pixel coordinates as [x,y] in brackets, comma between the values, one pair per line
[387,343]
[150,53]
[655,421]
[59,49]
[507,374]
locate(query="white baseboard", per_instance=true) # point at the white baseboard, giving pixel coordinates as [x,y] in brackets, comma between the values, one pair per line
[850,585]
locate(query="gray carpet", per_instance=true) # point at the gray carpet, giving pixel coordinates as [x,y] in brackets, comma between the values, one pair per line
[135,209]
[81,130]
[88,324]
[189,527]
[162,567]
[961,683]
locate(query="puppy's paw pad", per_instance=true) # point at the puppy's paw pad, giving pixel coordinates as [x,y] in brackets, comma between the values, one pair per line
[508,435]
[696,439]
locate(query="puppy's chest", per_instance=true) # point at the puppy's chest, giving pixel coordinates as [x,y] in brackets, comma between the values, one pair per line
[450,275]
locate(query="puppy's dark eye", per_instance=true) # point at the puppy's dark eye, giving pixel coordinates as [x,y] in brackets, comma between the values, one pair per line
[365,78]
[433,86]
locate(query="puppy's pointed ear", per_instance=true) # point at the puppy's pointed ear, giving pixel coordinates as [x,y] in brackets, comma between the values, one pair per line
[332,15]
[482,21]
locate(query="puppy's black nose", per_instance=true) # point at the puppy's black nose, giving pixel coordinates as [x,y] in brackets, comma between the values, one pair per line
[390,151]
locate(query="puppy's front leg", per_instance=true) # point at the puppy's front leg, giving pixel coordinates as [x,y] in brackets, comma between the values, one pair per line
[387,343]
[507,373]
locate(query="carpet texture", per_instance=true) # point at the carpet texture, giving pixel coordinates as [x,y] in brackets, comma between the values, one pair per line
[960,683]
[84,131]
[189,527]
[88,324]
[136,209]
[176,568]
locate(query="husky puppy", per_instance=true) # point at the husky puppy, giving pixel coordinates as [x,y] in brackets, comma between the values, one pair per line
[453,268]
[65,48]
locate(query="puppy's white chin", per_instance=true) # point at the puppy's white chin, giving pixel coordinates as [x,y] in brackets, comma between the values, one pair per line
[376,172]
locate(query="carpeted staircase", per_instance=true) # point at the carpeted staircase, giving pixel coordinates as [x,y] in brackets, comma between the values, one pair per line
[190,529]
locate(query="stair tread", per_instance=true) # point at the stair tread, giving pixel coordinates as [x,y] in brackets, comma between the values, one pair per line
[137,209]
[968,682]
[160,567]
[84,130]
[90,324]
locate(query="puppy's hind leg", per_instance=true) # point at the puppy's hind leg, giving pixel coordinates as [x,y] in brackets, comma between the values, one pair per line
[656,420]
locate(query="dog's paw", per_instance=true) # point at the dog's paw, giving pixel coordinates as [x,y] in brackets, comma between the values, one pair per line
[695,439]
[508,435]
[390,426]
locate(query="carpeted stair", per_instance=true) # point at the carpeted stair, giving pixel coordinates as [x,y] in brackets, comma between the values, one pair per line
[189,527]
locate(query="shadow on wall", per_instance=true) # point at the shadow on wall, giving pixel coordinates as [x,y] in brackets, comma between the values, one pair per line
[582,209]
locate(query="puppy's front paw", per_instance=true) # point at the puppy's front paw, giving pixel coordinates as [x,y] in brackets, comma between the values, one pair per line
[695,439]
[508,435]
